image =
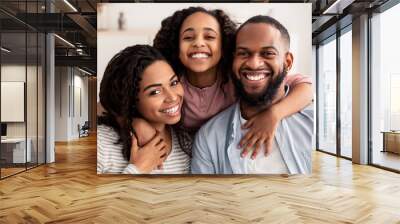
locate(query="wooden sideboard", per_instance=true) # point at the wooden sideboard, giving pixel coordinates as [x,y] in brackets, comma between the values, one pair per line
[391,141]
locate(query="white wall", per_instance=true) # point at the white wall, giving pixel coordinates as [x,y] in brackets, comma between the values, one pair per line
[33,126]
[61,103]
[12,73]
[79,117]
[70,84]
[143,20]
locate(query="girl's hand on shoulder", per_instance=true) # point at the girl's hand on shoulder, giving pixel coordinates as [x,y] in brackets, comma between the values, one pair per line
[261,131]
[150,156]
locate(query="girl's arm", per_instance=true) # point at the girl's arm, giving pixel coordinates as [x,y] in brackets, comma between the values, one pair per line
[262,127]
[143,130]
[145,159]
[144,133]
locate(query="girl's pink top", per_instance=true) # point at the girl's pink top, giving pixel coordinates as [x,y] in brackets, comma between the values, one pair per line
[200,104]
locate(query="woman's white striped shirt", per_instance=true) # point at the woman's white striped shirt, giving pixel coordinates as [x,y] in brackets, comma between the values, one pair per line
[111,160]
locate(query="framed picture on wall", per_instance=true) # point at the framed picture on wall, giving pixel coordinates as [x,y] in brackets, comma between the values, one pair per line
[178,82]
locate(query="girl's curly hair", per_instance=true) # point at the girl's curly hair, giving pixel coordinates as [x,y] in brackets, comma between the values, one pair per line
[119,90]
[167,39]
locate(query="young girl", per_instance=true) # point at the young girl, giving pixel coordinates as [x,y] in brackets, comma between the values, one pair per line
[198,43]
[139,83]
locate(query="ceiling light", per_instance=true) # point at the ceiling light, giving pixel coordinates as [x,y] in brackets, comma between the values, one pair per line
[64,40]
[70,5]
[337,7]
[5,50]
[79,51]
[84,71]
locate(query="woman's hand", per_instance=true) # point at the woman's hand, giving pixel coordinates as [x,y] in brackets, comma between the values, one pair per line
[262,129]
[150,156]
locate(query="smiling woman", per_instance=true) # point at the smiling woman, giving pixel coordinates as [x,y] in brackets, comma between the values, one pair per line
[139,84]
[161,95]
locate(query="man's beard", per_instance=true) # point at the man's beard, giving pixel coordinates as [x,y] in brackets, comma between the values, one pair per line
[264,99]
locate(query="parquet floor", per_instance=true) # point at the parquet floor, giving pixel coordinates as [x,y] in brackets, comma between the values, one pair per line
[69,191]
[387,159]
[9,171]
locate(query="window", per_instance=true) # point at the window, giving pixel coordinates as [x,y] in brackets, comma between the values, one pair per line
[327,96]
[346,93]
[385,89]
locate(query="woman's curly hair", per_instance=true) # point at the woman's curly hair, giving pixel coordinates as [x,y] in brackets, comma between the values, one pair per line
[119,90]
[167,39]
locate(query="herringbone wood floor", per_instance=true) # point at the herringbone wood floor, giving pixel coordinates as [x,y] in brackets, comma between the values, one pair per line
[69,191]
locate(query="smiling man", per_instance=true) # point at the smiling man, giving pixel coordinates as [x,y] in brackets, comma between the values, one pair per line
[261,62]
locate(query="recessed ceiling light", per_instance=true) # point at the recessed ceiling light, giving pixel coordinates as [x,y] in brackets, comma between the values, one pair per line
[5,50]
[70,5]
[64,40]
[337,7]
[84,71]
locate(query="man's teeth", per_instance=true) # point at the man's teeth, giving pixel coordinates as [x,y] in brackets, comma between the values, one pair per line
[171,110]
[199,55]
[255,77]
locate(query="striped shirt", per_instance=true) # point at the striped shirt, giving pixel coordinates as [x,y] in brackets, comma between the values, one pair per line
[111,160]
